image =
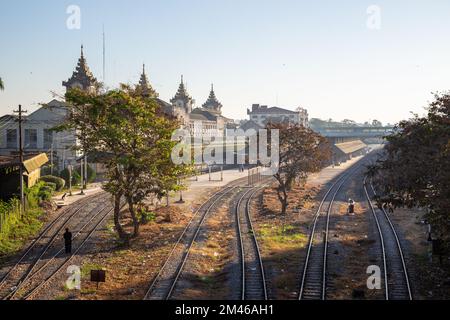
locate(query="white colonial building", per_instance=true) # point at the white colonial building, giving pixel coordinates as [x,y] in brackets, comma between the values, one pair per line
[263,114]
[61,147]
[38,136]
[206,121]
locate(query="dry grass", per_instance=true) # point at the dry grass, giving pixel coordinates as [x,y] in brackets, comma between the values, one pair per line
[204,275]
[430,279]
[130,270]
[283,239]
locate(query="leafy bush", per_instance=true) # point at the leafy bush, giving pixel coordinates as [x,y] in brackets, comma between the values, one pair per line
[32,195]
[76,178]
[60,183]
[146,216]
[45,193]
[51,185]
[17,229]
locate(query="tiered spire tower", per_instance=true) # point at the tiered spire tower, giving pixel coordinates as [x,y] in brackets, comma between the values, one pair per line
[82,77]
[212,103]
[182,98]
[145,86]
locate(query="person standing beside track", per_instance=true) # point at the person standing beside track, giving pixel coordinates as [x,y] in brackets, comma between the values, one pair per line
[68,241]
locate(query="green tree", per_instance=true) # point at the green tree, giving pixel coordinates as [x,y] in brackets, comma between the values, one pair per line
[2,86]
[132,129]
[302,151]
[415,167]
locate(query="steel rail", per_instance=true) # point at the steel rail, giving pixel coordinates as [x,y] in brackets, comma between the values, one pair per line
[30,269]
[399,247]
[180,238]
[47,280]
[255,243]
[380,233]
[192,241]
[29,274]
[339,182]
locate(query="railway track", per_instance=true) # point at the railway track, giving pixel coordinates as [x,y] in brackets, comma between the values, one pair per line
[253,282]
[313,283]
[395,274]
[163,285]
[44,258]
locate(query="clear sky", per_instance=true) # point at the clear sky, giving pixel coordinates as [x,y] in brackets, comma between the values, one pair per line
[317,54]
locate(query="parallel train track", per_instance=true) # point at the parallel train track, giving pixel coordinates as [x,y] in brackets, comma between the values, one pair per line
[163,284]
[313,283]
[395,274]
[43,259]
[253,282]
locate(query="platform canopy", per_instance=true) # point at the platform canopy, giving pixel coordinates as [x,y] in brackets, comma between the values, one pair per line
[30,163]
[351,146]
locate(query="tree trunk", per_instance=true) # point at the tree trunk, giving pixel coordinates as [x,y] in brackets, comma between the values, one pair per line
[134,218]
[283,197]
[124,236]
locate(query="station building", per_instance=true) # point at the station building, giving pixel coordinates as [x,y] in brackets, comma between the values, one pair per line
[61,147]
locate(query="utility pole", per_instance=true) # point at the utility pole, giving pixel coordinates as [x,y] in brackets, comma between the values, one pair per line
[20,112]
[104,56]
[85,171]
[82,176]
[70,179]
[180,183]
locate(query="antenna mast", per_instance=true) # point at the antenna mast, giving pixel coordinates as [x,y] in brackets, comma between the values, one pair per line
[104,55]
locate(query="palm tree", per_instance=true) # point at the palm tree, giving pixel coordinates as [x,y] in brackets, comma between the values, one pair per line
[2,87]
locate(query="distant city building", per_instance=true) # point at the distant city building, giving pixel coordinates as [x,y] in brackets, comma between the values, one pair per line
[206,121]
[248,125]
[261,115]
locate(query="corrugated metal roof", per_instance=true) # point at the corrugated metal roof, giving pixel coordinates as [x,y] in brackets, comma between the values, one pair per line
[351,146]
[30,163]
[35,162]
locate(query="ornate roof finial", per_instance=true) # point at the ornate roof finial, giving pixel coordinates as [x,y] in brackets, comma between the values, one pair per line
[145,86]
[212,103]
[82,77]
[182,95]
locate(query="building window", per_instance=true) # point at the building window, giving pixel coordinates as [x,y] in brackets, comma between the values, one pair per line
[48,138]
[31,138]
[11,138]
